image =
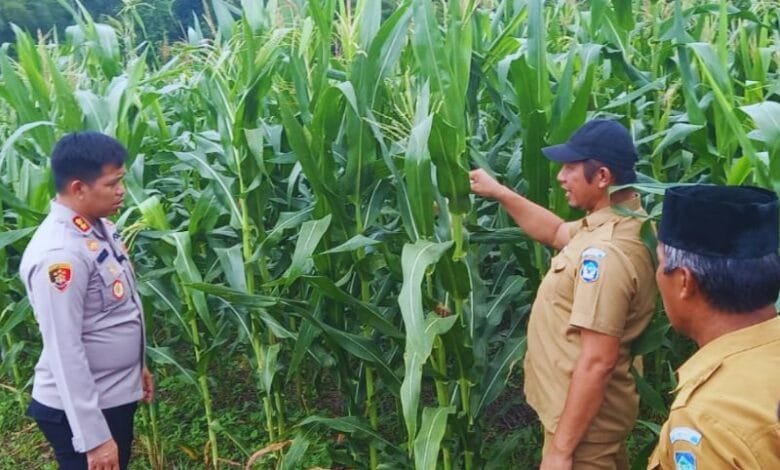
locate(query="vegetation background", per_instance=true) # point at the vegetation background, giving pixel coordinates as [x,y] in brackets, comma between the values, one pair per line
[163,20]
[320,288]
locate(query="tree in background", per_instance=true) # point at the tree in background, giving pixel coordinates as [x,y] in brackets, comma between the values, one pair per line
[156,20]
[183,11]
[40,15]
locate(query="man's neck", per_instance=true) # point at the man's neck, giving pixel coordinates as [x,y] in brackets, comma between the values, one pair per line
[73,204]
[618,197]
[718,323]
[622,195]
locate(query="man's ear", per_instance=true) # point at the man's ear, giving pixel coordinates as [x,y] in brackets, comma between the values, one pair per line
[76,188]
[689,286]
[605,177]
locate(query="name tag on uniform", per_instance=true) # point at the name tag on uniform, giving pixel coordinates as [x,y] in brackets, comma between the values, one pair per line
[593,252]
[685,434]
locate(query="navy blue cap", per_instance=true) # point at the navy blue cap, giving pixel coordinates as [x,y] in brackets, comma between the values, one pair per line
[604,140]
[737,222]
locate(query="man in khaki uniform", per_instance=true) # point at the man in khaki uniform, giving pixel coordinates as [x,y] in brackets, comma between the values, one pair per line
[719,277]
[597,297]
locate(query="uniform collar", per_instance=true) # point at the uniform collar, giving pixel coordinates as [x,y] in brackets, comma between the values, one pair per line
[707,359]
[602,216]
[73,219]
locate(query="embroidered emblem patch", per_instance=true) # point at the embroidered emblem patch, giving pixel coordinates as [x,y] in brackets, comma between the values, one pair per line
[593,252]
[60,275]
[81,223]
[686,434]
[118,289]
[589,272]
[92,245]
[684,461]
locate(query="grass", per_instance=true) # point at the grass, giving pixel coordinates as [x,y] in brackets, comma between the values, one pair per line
[181,423]
[23,445]
[515,437]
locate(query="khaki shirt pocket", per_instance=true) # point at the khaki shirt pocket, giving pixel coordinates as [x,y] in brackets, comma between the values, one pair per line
[561,279]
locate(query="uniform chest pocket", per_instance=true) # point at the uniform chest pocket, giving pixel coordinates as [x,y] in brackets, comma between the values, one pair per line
[114,285]
[560,279]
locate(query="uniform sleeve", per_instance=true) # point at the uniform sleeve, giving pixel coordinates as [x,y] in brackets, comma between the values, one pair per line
[603,288]
[58,287]
[691,440]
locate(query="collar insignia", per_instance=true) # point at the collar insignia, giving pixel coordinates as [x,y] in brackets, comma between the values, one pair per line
[81,223]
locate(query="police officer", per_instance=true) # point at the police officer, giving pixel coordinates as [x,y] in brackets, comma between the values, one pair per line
[82,289]
[719,277]
[597,297]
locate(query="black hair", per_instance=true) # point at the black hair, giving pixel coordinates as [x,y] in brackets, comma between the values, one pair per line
[82,156]
[621,175]
[730,284]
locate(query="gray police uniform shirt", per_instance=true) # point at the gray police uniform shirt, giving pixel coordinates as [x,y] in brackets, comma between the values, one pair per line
[83,291]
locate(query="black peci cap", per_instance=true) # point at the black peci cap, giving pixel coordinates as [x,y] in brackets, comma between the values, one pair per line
[720,221]
[601,139]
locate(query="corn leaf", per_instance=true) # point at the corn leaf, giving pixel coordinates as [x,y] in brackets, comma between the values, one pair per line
[428,442]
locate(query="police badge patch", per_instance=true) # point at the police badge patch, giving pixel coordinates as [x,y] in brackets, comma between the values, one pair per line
[589,272]
[60,275]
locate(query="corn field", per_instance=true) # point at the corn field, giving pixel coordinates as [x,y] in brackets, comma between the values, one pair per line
[299,210]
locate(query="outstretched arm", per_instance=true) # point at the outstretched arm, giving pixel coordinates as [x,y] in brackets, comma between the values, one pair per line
[539,223]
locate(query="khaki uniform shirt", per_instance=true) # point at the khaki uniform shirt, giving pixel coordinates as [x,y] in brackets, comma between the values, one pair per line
[603,280]
[83,293]
[725,412]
